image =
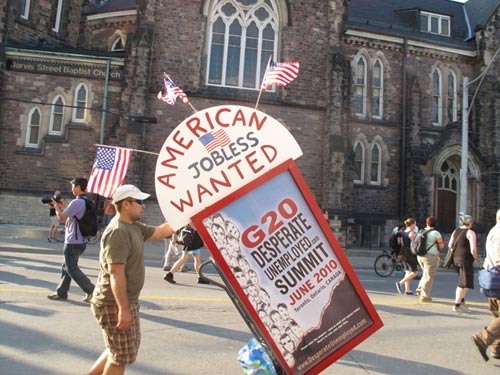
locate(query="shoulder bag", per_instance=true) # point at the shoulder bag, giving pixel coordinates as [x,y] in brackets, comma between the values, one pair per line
[489,282]
[448,259]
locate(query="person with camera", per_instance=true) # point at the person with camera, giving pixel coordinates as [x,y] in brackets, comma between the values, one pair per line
[54,221]
[74,243]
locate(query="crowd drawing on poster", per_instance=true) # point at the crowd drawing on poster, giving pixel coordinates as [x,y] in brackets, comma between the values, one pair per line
[285,331]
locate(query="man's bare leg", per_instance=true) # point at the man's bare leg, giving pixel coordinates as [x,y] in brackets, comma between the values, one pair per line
[112,369]
[98,366]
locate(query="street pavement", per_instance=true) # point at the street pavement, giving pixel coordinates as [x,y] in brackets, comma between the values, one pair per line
[189,328]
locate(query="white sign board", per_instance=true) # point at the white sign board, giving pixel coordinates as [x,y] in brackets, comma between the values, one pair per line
[213,153]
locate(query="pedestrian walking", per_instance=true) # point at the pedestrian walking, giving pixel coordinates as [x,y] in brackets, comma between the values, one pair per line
[121,278]
[109,212]
[465,255]
[430,261]
[74,243]
[489,336]
[192,243]
[54,220]
[409,259]
[173,250]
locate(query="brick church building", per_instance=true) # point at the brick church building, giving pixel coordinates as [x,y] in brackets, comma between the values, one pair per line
[378,106]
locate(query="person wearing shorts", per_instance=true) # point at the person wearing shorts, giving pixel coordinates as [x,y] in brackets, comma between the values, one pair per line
[195,253]
[121,278]
[465,255]
[54,220]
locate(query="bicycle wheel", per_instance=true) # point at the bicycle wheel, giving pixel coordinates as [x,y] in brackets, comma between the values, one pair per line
[59,237]
[94,239]
[383,266]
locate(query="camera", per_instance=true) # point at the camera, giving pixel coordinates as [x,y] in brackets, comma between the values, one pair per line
[47,200]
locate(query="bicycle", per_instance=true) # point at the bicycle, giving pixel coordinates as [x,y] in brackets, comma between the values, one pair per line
[59,236]
[386,263]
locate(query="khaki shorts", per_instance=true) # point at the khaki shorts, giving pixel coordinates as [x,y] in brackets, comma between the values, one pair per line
[54,221]
[122,345]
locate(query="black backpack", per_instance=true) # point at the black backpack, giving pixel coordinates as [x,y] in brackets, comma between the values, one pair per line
[393,242]
[88,223]
[191,239]
[419,243]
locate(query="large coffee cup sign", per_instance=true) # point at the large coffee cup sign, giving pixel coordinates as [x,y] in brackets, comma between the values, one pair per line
[213,153]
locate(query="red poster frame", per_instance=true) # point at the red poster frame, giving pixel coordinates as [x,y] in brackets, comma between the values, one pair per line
[323,361]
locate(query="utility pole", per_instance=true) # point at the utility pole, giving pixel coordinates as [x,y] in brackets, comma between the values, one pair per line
[462,205]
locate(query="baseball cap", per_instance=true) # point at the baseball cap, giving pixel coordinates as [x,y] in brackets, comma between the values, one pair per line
[128,191]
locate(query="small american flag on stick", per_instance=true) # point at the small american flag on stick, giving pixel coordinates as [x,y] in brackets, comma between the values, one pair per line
[280,74]
[170,93]
[109,170]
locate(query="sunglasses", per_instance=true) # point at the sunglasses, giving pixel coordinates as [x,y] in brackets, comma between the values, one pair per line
[138,201]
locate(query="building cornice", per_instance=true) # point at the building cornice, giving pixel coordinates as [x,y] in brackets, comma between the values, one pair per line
[121,13]
[63,56]
[411,42]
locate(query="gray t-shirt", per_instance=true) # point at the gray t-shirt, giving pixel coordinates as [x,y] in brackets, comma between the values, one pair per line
[122,243]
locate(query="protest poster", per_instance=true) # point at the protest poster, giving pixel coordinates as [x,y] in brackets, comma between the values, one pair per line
[214,152]
[286,267]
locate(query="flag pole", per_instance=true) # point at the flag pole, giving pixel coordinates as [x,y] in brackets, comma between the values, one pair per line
[260,91]
[133,149]
[166,75]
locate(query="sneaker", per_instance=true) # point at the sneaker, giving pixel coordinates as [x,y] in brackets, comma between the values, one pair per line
[56,297]
[425,299]
[201,280]
[480,346]
[169,277]
[417,292]
[49,239]
[461,309]
[398,288]
[464,308]
[167,268]
[409,293]
[186,268]
[87,297]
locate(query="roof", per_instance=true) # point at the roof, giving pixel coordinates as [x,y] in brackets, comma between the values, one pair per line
[479,12]
[401,18]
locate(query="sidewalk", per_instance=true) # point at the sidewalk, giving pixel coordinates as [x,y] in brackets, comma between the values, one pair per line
[34,239]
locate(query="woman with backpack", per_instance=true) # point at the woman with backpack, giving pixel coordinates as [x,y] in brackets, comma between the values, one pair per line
[192,243]
[428,259]
[409,259]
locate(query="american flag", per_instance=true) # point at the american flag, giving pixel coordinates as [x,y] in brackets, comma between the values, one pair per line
[170,93]
[109,170]
[280,74]
[216,139]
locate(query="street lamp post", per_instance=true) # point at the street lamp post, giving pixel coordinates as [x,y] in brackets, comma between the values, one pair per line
[462,205]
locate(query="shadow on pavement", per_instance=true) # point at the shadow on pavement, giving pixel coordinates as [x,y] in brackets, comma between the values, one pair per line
[229,334]
[382,364]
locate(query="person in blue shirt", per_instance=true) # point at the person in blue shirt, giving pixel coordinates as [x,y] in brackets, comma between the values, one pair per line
[74,243]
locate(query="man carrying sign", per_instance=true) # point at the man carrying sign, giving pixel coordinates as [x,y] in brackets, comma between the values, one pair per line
[120,281]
